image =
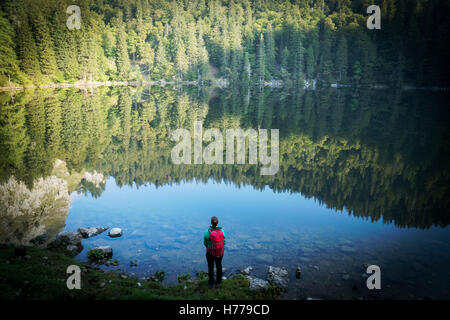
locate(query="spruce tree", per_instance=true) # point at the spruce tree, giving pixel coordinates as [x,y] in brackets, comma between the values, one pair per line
[27,49]
[65,47]
[122,58]
[9,66]
[270,50]
[342,59]
[310,62]
[181,59]
[299,53]
[47,56]
[325,60]
[203,57]
[247,69]
[261,61]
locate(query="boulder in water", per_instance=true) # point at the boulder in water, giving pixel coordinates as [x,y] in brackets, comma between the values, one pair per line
[298,273]
[115,232]
[91,231]
[100,252]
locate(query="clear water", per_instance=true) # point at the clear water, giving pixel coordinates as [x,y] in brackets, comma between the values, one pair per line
[163,230]
[363,180]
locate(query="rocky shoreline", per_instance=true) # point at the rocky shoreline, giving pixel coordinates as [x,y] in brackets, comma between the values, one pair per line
[310,84]
[43,275]
[71,241]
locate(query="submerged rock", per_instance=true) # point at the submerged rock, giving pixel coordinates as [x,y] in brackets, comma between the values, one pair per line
[264,257]
[347,249]
[298,272]
[278,277]
[257,283]
[115,232]
[91,231]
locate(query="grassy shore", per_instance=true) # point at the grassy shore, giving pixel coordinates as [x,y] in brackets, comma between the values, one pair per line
[41,274]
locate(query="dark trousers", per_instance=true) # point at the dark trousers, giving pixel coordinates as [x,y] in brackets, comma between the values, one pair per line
[218,261]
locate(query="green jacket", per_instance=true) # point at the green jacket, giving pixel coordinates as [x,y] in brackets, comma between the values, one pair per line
[207,233]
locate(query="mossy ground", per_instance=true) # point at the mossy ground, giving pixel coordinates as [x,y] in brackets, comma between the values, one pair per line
[42,275]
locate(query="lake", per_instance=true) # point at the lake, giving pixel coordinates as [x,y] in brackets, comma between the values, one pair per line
[363,180]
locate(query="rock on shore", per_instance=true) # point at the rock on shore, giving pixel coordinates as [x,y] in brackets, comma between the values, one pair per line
[68,238]
[106,250]
[257,283]
[246,271]
[278,277]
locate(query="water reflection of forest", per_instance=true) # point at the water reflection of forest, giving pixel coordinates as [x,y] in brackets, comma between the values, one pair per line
[379,154]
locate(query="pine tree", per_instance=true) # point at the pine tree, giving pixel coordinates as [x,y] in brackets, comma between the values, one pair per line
[310,62]
[247,69]
[299,53]
[270,50]
[181,59]
[27,49]
[162,67]
[342,59]
[9,65]
[192,51]
[203,57]
[47,56]
[122,58]
[325,62]
[261,61]
[65,48]
[285,57]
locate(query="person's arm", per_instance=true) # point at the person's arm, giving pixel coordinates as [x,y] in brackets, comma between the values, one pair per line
[205,238]
[224,237]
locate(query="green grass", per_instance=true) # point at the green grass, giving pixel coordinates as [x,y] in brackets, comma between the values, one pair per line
[43,276]
[96,255]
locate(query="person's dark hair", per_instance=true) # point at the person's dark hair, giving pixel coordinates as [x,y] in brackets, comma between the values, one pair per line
[214,221]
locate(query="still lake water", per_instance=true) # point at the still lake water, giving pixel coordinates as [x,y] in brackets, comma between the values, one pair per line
[363,179]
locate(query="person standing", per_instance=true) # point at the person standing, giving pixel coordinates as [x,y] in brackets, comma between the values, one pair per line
[214,240]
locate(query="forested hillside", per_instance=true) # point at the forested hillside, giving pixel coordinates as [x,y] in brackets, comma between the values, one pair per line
[242,41]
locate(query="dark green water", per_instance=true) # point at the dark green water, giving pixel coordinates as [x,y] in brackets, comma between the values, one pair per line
[363,179]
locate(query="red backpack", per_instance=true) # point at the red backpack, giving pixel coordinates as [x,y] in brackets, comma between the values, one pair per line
[217,243]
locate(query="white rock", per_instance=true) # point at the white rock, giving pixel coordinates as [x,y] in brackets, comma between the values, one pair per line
[257,283]
[115,232]
[278,277]
[247,271]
